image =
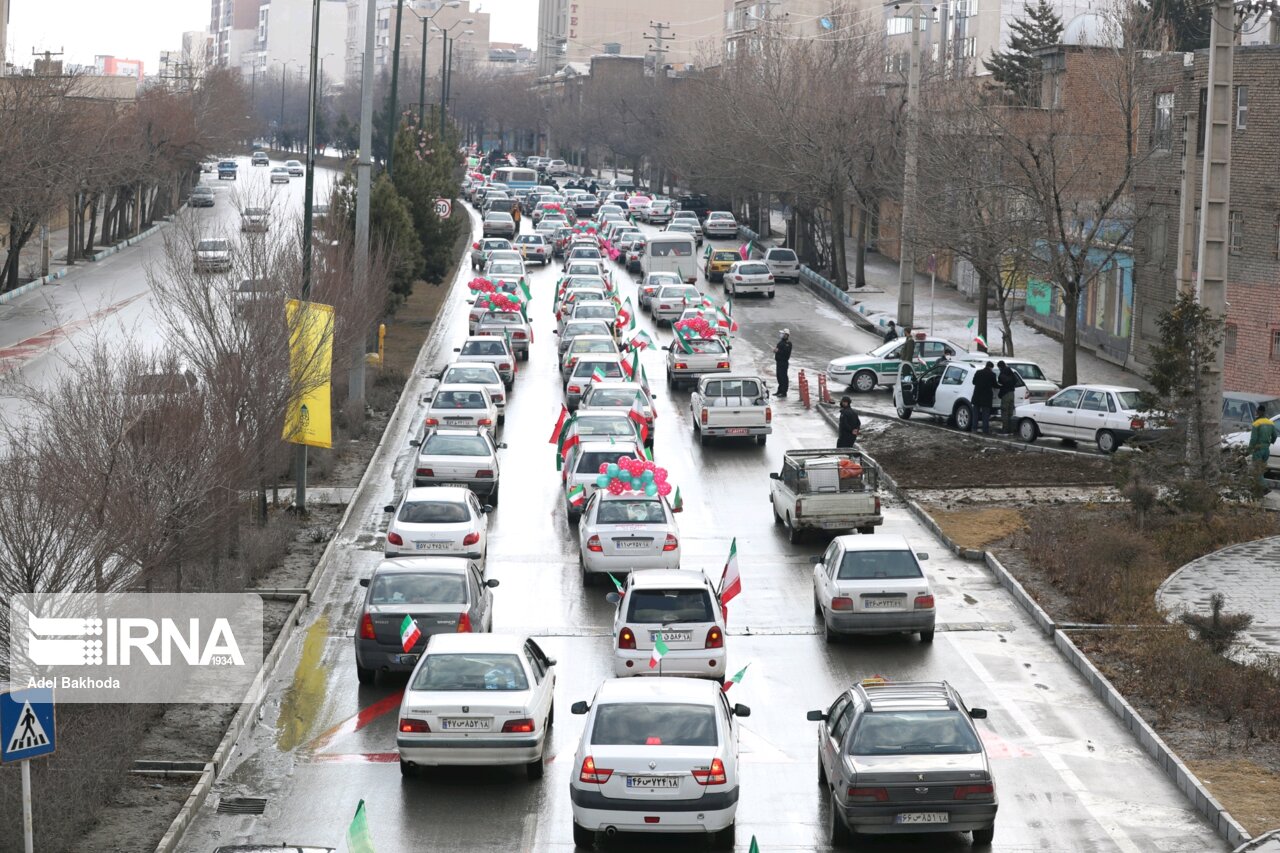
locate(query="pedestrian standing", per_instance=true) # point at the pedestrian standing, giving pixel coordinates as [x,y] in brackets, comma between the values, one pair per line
[849,426]
[984,386]
[1007,382]
[891,334]
[1262,434]
[782,360]
[515,216]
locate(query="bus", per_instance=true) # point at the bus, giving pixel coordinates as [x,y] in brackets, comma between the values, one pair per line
[515,177]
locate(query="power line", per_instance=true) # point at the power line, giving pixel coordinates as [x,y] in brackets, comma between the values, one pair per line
[659,48]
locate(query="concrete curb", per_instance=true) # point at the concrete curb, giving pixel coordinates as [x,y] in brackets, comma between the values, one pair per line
[62,273]
[249,709]
[1268,842]
[1191,787]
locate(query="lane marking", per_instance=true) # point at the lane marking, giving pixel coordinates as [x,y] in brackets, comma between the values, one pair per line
[14,356]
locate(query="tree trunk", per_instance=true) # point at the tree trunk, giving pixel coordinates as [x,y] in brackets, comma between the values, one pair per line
[839,259]
[1070,305]
[984,294]
[93,222]
[860,246]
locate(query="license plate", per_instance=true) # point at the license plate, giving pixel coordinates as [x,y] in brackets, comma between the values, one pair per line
[465,723]
[459,421]
[653,782]
[432,546]
[737,431]
[923,817]
[632,544]
[671,636]
[882,604]
[406,658]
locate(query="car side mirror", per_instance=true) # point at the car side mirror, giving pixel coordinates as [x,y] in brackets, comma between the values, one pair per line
[666,349]
[774,475]
[815,716]
[492,583]
[817,560]
[922,556]
[579,708]
[389,508]
[502,445]
[486,509]
[613,598]
[551,662]
[978,713]
[364,581]
[457,349]
[415,443]
[741,711]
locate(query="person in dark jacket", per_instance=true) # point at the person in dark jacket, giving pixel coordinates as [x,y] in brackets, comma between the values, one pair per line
[891,332]
[782,360]
[1007,380]
[984,386]
[849,425]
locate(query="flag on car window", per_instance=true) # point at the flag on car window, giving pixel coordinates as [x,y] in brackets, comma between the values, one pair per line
[409,634]
[617,584]
[560,422]
[677,503]
[735,679]
[659,651]
[599,374]
[577,496]
[730,580]
[637,417]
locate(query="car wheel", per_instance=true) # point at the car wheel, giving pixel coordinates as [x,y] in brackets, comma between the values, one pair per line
[703,438]
[793,532]
[493,498]
[822,775]
[367,677]
[407,770]
[762,439]
[830,636]
[725,838]
[905,414]
[777,519]
[583,837]
[984,837]
[926,636]
[963,417]
[534,769]
[1027,430]
[864,381]
[772,293]
[865,531]
[817,605]
[1107,441]
[840,834]
[671,383]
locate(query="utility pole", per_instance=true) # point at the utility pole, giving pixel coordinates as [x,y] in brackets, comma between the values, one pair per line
[364,179]
[422,75]
[1186,207]
[308,204]
[444,79]
[659,50]
[906,259]
[284,76]
[393,109]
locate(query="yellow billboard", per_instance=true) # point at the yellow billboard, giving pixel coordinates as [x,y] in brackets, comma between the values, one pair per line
[309,419]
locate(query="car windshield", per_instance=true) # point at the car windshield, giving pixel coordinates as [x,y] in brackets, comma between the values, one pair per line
[212,246]
[471,376]
[433,512]
[619,426]
[455,445]
[654,724]
[705,346]
[913,732]
[888,349]
[591,461]
[424,588]
[470,672]
[610,398]
[865,565]
[506,318]
[753,269]
[781,255]
[483,348]
[458,400]
[1129,400]
[631,512]
[668,606]
[1028,371]
[593,346]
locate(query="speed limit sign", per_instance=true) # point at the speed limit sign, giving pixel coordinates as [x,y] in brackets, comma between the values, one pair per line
[443,207]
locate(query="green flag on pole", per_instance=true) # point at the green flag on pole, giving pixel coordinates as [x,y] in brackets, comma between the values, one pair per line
[358,840]
[755,848]
[617,584]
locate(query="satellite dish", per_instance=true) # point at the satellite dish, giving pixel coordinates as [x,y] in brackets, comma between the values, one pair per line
[825,22]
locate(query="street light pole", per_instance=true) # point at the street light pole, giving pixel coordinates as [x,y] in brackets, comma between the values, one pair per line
[422,74]
[364,181]
[393,111]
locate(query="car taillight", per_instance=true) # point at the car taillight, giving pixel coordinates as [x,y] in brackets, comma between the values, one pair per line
[924,602]
[485,422]
[664,307]
[471,538]
[504,366]
[680,365]
[768,418]
[425,472]
[867,795]
[394,538]
[714,776]
[877,504]
[523,726]
[964,792]
[715,639]
[366,628]
[671,544]
[410,725]
[798,506]
[723,365]
[737,278]
[841,602]
[431,422]
[1137,423]
[574,389]
[592,774]
[519,336]
[593,544]
[464,623]
[626,639]
[484,472]
[704,416]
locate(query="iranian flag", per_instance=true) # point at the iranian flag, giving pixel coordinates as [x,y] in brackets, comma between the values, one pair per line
[683,337]
[736,679]
[754,848]
[677,502]
[358,838]
[560,422]
[577,496]
[631,369]
[566,443]
[599,374]
[627,316]
[637,417]
[639,340]
[730,580]
[409,633]
[659,651]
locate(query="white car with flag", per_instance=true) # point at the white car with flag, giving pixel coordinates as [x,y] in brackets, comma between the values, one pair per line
[623,532]
[582,468]
[668,622]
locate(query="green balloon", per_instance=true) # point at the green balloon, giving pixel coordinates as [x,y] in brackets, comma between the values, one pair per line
[613,469]
[603,481]
[650,489]
[647,476]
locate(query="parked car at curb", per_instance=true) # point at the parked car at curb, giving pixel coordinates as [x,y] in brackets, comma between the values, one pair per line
[864,371]
[944,390]
[1107,415]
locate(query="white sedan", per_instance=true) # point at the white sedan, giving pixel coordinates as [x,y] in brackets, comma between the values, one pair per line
[749,277]
[681,607]
[1107,415]
[477,373]
[632,530]
[872,583]
[447,520]
[657,755]
[477,699]
[720,223]
[462,406]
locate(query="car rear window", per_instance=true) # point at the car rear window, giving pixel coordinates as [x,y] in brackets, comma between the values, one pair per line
[663,249]
[595,312]
[654,724]
[593,346]
[471,376]
[725,255]
[733,388]
[781,255]
[458,400]
[434,512]
[470,672]
[455,445]
[609,397]
[753,269]
[483,348]
[1130,400]
[505,318]
[618,426]
[705,347]
[586,368]
[1028,371]
[630,512]
[505,268]
[404,588]
[913,733]
[592,460]
[665,606]
[866,565]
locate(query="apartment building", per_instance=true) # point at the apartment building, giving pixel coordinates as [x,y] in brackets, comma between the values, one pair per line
[576,30]
[282,37]
[4,36]
[233,28]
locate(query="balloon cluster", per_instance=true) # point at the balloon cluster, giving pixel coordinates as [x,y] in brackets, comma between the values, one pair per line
[584,228]
[697,326]
[629,474]
[481,285]
[499,302]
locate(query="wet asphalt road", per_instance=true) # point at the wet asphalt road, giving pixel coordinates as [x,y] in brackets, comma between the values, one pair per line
[1069,778]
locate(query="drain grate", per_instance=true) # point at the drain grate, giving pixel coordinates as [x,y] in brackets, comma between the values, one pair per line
[242,805]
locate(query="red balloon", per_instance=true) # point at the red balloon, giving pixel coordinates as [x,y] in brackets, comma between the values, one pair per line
[604,467]
[664,489]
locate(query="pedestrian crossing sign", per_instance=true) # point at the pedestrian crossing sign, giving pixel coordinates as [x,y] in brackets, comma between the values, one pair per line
[26,724]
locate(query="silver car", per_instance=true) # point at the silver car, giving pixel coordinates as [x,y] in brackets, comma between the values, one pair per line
[448,521]
[783,263]
[904,758]
[481,248]
[510,324]
[494,350]
[446,595]
[498,224]
[213,255]
[459,456]
[477,373]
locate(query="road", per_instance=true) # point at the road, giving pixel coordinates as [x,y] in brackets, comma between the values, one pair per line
[1070,779]
[41,332]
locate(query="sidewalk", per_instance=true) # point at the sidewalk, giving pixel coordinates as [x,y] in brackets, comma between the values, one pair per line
[29,261]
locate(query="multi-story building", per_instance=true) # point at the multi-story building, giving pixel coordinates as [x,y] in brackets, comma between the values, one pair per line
[4,36]
[233,28]
[195,49]
[283,37]
[467,48]
[1175,86]
[747,21]
[112,66]
[576,30]
[508,58]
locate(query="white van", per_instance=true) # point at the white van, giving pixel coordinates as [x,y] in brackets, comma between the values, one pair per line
[672,252]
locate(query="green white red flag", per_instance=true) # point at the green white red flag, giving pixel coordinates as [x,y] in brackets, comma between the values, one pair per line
[577,495]
[677,502]
[638,418]
[683,337]
[358,838]
[409,633]
[736,678]
[560,422]
[659,651]
[599,374]
[730,580]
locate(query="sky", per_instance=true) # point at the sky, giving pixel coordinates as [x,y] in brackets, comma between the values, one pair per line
[140,29]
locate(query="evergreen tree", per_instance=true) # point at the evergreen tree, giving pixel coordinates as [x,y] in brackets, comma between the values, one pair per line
[1017,69]
[427,168]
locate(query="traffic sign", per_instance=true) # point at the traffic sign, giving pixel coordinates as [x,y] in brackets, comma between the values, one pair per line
[26,724]
[444,207]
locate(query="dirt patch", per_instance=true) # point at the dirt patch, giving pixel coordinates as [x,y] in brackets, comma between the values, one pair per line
[1252,790]
[978,528]
[148,801]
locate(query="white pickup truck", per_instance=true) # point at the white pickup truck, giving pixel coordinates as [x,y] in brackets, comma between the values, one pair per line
[830,490]
[731,405]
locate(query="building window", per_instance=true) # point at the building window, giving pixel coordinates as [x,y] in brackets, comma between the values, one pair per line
[1275,343]
[1229,338]
[899,25]
[1201,130]
[1158,240]
[1162,123]
[1235,231]
[1242,106]
[970,46]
